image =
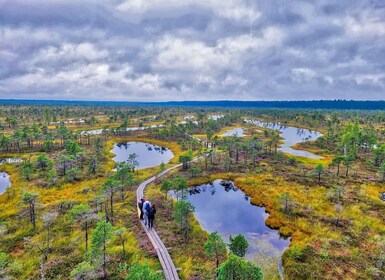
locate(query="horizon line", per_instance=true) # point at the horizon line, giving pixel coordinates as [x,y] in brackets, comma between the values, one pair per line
[181,101]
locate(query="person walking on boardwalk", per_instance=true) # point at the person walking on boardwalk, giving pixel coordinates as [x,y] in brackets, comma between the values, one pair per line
[151,216]
[146,209]
[140,206]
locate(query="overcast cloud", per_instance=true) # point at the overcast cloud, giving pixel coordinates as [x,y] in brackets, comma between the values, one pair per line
[158,50]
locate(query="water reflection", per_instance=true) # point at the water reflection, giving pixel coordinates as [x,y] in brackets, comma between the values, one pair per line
[222,207]
[4,181]
[238,132]
[107,130]
[10,160]
[291,136]
[148,155]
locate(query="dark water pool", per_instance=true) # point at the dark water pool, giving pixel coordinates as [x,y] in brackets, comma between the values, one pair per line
[4,181]
[149,155]
[228,211]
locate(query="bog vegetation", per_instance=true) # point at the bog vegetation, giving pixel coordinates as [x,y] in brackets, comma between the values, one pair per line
[70,212]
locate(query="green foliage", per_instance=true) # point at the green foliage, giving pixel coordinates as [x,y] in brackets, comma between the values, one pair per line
[79,211]
[181,212]
[98,148]
[48,145]
[132,160]
[84,270]
[318,171]
[324,254]
[3,260]
[103,232]
[181,184]
[292,160]
[228,163]
[381,171]
[236,268]
[336,193]
[52,177]
[110,186]
[238,245]
[124,173]
[73,148]
[379,154]
[347,162]
[43,162]
[295,252]
[195,171]
[186,158]
[72,174]
[336,161]
[142,272]
[162,167]
[27,170]
[29,197]
[93,165]
[286,200]
[166,186]
[215,248]
[178,184]
[278,155]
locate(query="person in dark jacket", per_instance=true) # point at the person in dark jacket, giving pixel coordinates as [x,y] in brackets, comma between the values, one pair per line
[140,206]
[151,216]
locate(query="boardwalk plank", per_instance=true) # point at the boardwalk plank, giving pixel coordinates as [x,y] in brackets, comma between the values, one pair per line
[165,260]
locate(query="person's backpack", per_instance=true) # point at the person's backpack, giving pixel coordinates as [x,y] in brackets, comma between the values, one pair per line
[152,211]
[147,207]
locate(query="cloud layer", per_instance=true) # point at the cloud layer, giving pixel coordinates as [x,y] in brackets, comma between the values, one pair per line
[156,50]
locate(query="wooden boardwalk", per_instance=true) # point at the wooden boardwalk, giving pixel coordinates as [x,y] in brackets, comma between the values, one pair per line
[168,266]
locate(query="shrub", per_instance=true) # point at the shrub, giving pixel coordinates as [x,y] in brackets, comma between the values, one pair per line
[295,253]
[3,260]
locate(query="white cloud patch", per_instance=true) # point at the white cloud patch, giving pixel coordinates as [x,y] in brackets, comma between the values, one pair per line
[371,79]
[303,74]
[172,53]
[365,27]
[230,9]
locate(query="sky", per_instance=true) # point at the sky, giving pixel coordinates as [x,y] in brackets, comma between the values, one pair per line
[161,50]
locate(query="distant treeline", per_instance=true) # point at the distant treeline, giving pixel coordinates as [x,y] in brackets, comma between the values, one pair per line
[314,104]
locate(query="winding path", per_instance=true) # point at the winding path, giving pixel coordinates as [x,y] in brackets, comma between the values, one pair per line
[168,266]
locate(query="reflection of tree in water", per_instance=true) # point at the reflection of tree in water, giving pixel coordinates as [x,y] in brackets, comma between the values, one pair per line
[267,257]
[159,149]
[124,145]
[229,185]
[4,181]
[265,250]
[212,189]
[194,190]
[149,147]
[305,134]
